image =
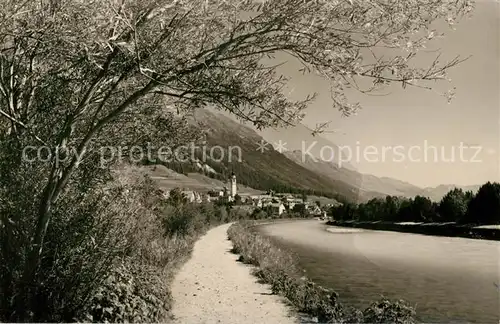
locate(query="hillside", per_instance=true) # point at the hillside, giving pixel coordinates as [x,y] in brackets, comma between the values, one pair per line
[268,170]
[370,186]
[264,170]
[299,139]
[235,149]
[438,192]
[168,179]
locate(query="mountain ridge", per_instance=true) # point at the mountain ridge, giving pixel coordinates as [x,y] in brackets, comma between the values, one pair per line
[292,168]
[265,169]
[365,182]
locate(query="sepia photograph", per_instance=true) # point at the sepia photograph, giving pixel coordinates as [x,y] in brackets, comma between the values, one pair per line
[250,161]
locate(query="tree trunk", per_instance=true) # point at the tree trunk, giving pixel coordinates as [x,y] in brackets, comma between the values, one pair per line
[25,303]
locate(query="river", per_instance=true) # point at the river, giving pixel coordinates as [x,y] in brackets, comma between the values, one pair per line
[448,279]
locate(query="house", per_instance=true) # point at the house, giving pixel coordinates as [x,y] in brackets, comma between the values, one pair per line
[205,197]
[277,208]
[315,210]
[257,202]
[190,195]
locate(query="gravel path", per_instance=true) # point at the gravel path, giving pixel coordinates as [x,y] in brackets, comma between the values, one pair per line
[212,287]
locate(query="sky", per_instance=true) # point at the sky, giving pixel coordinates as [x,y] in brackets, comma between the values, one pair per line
[408,123]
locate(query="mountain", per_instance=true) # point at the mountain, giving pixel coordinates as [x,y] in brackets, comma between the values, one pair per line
[234,147]
[320,155]
[306,150]
[369,186]
[231,147]
[300,138]
[257,164]
[437,193]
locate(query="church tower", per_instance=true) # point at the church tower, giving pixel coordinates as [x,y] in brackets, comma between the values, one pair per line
[233,185]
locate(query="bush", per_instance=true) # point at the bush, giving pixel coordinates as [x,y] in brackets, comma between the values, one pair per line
[89,231]
[137,290]
[132,293]
[385,311]
[110,252]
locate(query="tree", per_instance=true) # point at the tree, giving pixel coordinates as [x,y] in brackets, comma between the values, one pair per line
[392,205]
[484,208]
[237,199]
[344,212]
[453,206]
[78,76]
[469,195]
[300,209]
[177,197]
[372,210]
[423,209]
[405,213]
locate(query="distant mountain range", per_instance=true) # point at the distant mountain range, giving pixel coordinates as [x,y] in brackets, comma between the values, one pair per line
[441,190]
[295,169]
[305,149]
[369,185]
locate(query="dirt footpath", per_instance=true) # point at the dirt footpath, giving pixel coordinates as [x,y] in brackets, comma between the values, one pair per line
[212,287]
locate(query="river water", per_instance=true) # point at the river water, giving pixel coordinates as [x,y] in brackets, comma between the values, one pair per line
[447,279]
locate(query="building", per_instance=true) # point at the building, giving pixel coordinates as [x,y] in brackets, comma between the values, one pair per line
[233,186]
[192,196]
[277,208]
[315,210]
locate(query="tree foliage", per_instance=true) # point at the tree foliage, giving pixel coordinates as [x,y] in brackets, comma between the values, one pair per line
[453,206]
[177,198]
[456,206]
[484,207]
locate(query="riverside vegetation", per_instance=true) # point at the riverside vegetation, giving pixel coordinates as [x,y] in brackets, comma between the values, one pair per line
[457,206]
[458,214]
[112,254]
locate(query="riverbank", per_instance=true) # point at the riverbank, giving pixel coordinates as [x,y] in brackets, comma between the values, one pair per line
[280,268]
[434,229]
[446,279]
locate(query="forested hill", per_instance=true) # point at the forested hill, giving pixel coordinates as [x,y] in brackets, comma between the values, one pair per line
[265,170]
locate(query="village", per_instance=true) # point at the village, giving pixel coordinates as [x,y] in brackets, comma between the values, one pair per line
[277,203]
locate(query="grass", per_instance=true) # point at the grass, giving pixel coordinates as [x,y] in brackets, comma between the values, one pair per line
[279,268]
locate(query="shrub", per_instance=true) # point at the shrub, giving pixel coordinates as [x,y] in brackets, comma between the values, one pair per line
[132,293]
[110,252]
[385,311]
[90,229]
[137,289]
